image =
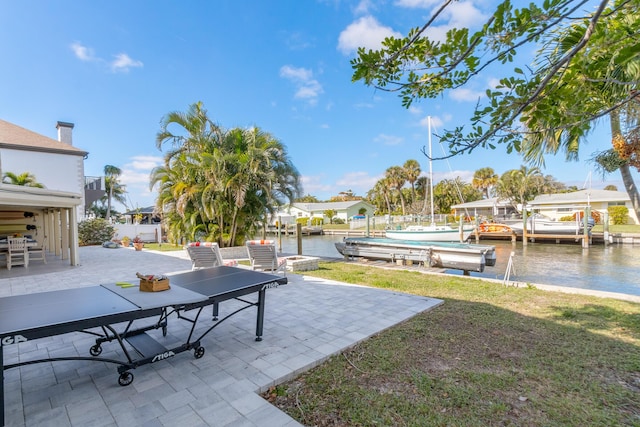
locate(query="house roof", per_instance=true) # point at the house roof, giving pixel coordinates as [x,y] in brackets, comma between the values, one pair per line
[580,197]
[21,196]
[16,137]
[484,203]
[338,206]
[145,211]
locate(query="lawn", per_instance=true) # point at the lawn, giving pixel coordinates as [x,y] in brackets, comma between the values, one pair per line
[490,355]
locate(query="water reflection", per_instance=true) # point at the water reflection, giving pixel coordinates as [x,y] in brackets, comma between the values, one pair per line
[613,268]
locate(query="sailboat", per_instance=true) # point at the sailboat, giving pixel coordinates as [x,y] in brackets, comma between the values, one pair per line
[432,232]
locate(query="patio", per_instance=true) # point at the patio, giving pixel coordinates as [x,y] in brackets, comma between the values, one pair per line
[306,322]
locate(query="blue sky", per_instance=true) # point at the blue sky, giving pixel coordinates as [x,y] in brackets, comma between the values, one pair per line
[115,68]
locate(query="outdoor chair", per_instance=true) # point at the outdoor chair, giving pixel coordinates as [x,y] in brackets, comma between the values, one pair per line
[207,255]
[17,252]
[264,256]
[38,252]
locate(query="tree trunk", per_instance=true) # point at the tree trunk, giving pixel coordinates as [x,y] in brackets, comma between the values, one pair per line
[631,188]
[625,172]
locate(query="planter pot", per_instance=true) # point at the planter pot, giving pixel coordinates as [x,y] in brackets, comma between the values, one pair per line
[138,246]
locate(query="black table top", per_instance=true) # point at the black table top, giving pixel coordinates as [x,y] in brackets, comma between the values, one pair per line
[218,281]
[68,306]
[40,310]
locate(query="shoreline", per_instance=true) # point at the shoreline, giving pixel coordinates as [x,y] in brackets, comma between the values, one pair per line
[517,284]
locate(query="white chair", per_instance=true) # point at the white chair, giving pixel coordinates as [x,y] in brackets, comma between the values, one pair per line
[264,256]
[206,255]
[38,252]
[17,252]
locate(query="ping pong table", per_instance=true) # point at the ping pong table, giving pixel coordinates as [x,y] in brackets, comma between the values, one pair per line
[108,311]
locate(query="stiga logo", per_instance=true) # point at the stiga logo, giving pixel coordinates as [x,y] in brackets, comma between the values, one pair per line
[162,356]
[270,285]
[12,339]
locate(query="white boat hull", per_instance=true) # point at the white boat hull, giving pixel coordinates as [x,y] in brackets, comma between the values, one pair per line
[542,225]
[458,256]
[417,233]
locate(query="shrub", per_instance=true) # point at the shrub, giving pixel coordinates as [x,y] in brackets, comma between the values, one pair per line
[337,220]
[95,232]
[618,214]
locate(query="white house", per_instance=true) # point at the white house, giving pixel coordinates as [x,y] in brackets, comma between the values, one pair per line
[56,164]
[343,210]
[490,208]
[563,204]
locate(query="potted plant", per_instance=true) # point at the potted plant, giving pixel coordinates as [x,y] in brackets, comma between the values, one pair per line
[125,241]
[138,243]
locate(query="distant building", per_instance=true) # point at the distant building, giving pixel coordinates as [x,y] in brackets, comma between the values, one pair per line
[492,208]
[344,211]
[554,206]
[563,204]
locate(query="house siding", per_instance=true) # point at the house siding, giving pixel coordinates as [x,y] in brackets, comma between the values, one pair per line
[59,172]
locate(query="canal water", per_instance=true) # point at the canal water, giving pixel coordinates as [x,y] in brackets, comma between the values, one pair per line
[611,268]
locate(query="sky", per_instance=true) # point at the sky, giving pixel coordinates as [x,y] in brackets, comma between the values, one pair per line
[114,69]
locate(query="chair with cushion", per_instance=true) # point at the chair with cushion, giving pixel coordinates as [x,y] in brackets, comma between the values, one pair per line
[264,256]
[206,255]
[17,252]
[38,252]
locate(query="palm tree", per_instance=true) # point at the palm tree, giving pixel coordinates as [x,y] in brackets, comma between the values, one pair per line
[26,179]
[518,186]
[220,184]
[113,188]
[396,180]
[484,179]
[412,173]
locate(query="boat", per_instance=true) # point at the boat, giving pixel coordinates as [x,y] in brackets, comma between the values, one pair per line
[312,230]
[450,255]
[432,232]
[541,224]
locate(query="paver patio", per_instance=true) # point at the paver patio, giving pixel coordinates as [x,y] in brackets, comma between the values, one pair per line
[306,321]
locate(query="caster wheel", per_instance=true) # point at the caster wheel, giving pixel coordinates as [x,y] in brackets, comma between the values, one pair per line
[125,378]
[199,352]
[95,350]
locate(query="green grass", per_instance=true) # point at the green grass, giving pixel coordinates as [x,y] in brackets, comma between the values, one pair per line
[163,247]
[490,355]
[626,228]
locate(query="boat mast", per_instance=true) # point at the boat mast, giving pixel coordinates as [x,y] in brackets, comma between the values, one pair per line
[433,218]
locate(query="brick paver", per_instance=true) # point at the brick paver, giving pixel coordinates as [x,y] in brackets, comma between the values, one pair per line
[306,321]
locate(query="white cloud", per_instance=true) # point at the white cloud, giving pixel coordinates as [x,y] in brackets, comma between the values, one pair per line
[83,53]
[307,88]
[436,122]
[463,94]
[366,32]
[358,182]
[416,4]
[123,63]
[462,14]
[136,177]
[388,139]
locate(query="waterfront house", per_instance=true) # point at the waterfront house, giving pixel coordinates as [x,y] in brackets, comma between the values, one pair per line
[492,208]
[52,211]
[343,210]
[556,206]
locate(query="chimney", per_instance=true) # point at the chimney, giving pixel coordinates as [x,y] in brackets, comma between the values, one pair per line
[64,132]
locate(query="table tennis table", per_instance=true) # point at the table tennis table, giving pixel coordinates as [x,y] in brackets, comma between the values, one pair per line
[108,311]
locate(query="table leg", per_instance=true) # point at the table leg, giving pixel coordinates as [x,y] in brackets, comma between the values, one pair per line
[1,386]
[260,318]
